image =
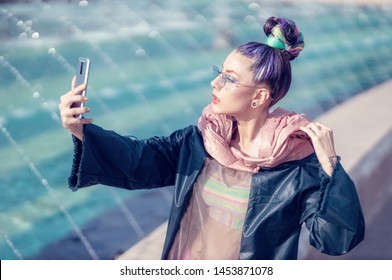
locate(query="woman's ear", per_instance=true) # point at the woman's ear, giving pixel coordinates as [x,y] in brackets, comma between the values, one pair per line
[263,95]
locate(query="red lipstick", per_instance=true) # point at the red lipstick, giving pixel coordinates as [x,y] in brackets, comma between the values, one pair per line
[215,99]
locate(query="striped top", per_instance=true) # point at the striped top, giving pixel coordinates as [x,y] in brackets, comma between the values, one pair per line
[226,194]
[211,227]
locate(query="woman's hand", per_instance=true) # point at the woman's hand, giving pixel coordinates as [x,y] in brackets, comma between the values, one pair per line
[323,144]
[68,114]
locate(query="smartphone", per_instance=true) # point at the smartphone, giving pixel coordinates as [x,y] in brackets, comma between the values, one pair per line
[82,73]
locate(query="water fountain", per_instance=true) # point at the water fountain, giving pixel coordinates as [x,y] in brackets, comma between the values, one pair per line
[150,75]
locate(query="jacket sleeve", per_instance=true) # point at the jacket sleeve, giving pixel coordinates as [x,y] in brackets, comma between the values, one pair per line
[104,157]
[333,213]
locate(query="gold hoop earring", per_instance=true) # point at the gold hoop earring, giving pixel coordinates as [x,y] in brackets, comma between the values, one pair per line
[254,104]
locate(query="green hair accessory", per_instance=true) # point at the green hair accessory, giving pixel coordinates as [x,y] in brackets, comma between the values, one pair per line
[276,39]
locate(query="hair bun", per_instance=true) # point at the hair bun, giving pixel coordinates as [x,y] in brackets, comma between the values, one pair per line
[282,33]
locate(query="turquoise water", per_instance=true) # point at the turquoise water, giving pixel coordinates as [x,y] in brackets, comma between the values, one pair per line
[150,75]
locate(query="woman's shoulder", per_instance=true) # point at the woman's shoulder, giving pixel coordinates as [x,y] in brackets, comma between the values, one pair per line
[295,171]
[307,162]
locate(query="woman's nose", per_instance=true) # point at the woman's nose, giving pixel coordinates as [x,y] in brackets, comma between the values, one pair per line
[215,83]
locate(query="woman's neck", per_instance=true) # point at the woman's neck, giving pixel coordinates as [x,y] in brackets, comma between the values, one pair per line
[247,131]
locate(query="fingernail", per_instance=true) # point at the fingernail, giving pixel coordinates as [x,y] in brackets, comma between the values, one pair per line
[87,109]
[85,99]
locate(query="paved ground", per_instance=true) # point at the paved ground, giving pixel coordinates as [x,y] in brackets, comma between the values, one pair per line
[363,138]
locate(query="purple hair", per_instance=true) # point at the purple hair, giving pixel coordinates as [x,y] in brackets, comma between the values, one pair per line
[272,65]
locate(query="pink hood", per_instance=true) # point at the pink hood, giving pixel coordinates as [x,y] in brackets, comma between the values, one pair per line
[280,141]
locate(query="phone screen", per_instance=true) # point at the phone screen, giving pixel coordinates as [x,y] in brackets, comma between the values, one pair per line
[82,73]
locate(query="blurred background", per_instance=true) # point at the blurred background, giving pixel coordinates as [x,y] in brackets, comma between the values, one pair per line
[150,74]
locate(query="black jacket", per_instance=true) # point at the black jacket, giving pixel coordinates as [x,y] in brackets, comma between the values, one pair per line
[281,198]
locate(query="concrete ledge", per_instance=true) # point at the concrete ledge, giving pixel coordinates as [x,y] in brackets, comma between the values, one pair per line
[363,138]
[360,123]
[149,248]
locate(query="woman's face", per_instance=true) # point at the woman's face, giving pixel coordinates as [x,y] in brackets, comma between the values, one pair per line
[235,97]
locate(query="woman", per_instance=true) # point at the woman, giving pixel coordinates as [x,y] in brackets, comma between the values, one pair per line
[245,178]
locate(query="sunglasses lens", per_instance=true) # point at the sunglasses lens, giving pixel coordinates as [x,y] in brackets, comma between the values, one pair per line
[218,73]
